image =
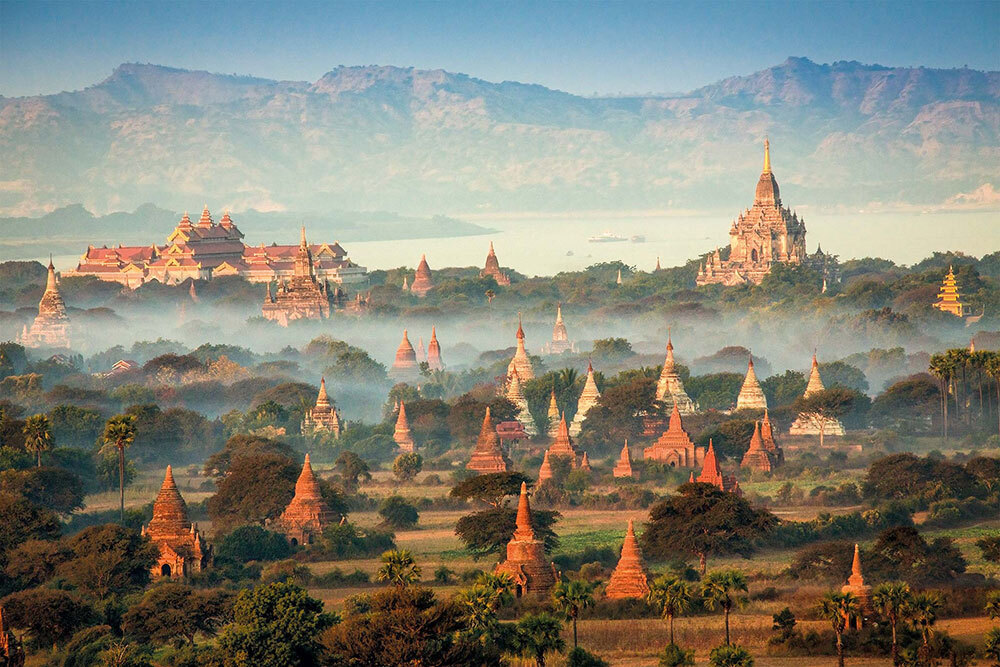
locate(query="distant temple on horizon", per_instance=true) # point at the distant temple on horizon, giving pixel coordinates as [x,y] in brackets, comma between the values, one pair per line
[205,250]
[50,327]
[304,296]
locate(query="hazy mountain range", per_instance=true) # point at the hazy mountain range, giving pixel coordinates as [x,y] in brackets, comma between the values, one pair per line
[424,142]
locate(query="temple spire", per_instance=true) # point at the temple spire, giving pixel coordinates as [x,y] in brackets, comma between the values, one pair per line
[767,156]
[524,530]
[302,238]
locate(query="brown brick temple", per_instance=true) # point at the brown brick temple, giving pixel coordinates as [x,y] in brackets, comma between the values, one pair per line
[623,467]
[434,362]
[711,473]
[183,550]
[630,578]
[488,456]
[521,362]
[857,587]
[422,280]
[307,515]
[492,269]
[533,573]
[675,447]
[402,435]
[405,367]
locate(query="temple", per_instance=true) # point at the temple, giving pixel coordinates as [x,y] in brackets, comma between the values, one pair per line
[545,470]
[560,338]
[51,326]
[813,424]
[323,416]
[521,362]
[588,399]
[623,467]
[563,444]
[401,434]
[405,365]
[711,473]
[756,457]
[526,563]
[492,269]
[770,444]
[307,515]
[751,396]
[515,395]
[630,578]
[303,297]
[206,250]
[183,550]
[857,587]
[670,389]
[553,415]
[434,361]
[949,299]
[422,280]
[674,447]
[488,456]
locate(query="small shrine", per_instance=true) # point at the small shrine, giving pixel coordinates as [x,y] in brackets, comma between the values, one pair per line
[402,435]
[560,337]
[434,362]
[307,515]
[521,362]
[623,467]
[669,387]
[751,396]
[183,549]
[492,269]
[488,456]
[526,563]
[422,280]
[630,578]
[811,424]
[857,587]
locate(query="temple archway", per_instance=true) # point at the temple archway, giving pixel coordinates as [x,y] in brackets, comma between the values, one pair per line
[165,570]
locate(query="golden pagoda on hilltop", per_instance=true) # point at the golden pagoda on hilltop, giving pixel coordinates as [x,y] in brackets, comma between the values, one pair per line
[949,300]
[526,563]
[183,550]
[51,327]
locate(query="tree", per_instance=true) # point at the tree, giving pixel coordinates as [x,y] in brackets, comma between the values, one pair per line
[108,560]
[398,513]
[175,610]
[923,611]
[702,520]
[54,488]
[672,597]
[993,605]
[399,568]
[253,543]
[722,589]
[825,406]
[119,432]
[275,625]
[571,598]
[258,487]
[674,656]
[539,634]
[612,349]
[784,623]
[51,616]
[407,466]
[352,468]
[491,488]
[579,657]
[892,600]
[488,532]
[991,647]
[241,445]
[990,547]
[838,608]
[37,436]
[730,656]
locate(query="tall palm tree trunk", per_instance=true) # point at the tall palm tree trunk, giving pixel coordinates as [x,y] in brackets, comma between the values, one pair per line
[574,630]
[840,649]
[121,483]
[726,614]
[671,617]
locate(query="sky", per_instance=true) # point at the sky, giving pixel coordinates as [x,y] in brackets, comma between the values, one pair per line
[587,48]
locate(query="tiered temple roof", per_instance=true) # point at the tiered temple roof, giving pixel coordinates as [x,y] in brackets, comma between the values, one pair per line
[857,587]
[308,514]
[322,416]
[669,388]
[402,435]
[675,447]
[183,549]
[434,361]
[526,563]
[711,473]
[515,395]
[588,399]
[301,298]
[405,365]
[521,361]
[630,578]
[810,424]
[751,396]
[51,326]
[488,456]
[492,269]
[623,467]
[422,280]
[949,299]
[560,338]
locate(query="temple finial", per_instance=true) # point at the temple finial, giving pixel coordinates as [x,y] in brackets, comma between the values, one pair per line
[767,156]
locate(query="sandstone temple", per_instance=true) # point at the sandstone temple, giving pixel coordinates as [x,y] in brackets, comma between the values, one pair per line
[669,388]
[623,467]
[857,587]
[526,563]
[763,454]
[675,447]
[183,550]
[751,396]
[492,269]
[303,296]
[51,326]
[488,455]
[811,424]
[711,473]
[434,361]
[630,578]
[307,515]
[323,416]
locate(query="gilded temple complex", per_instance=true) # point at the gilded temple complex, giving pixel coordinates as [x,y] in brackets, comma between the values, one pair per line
[182,548]
[949,298]
[51,326]
[303,296]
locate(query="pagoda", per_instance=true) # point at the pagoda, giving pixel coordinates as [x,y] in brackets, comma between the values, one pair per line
[488,456]
[949,300]
[521,362]
[515,395]
[588,399]
[434,362]
[674,447]
[526,563]
[751,396]
[563,443]
[756,457]
[553,415]
[183,550]
[770,444]
[669,388]
[585,463]
[422,280]
[402,435]
[51,326]
[630,578]
[711,473]
[301,298]
[812,424]
[492,269]
[763,235]
[545,470]
[623,467]
[420,352]
[560,338]
[322,416]
[307,515]
[405,365]
[857,587]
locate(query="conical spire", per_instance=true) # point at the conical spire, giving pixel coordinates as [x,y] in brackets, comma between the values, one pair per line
[630,579]
[619,280]
[658,263]
[307,487]
[401,434]
[767,156]
[815,381]
[422,280]
[524,530]
[751,395]
[434,361]
[545,470]
[755,441]
[170,517]
[559,319]
[584,462]
[50,281]
[322,400]
[302,238]
[488,455]
[520,328]
[623,468]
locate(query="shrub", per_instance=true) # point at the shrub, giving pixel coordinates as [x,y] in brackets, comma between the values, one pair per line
[398,513]
[675,656]
[250,543]
[730,656]
[579,657]
[346,541]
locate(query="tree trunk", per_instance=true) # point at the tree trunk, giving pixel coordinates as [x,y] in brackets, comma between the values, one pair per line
[703,562]
[998,404]
[725,613]
[840,650]
[38,464]
[671,617]
[895,645]
[121,482]
[944,403]
[822,430]
[574,630]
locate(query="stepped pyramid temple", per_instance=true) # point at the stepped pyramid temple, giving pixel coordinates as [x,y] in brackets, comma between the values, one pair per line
[322,416]
[588,399]
[51,325]
[515,395]
[402,435]
[674,447]
[812,424]
[488,456]
[405,366]
[623,467]
[751,395]
[422,280]
[630,578]
[711,473]
[11,651]
[949,300]
[670,389]
[183,550]
[526,563]
[492,269]
[553,415]
[434,362]
[765,234]
[560,339]
[301,298]
[521,361]
[857,587]
[307,515]
[756,457]
[205,250]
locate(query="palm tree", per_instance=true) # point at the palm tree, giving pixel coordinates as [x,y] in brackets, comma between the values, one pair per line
[672,597]
[119,433]
[892,600]
[923,613]
[538,634]
[37,436]
[571,597]
[993,605]
[399,568]
[992,647]
[722,589]
[941,368]
[838,608]
[992,367]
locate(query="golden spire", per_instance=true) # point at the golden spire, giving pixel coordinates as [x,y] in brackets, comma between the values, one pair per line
[767,156]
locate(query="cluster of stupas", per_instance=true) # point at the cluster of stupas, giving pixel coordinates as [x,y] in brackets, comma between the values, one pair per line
[812,424]
[307,514]
[182,548]
[526,562]
[401,434]
[406,365]
[711,473]
[51,326]
[323,416]
[562,446]
[764,454]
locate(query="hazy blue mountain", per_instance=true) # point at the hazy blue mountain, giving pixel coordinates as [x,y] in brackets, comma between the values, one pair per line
[423,142]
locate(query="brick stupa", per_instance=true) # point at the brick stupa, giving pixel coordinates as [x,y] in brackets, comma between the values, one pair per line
[585,463]
[422,280]
[402,435]
[545,470]
[521,362]
[404,367]
[756,457]
[50,327]
[488,456]
[630,578]
[492,269]
[563,443]
[183,550]
[711,473]
[623,467]
[323,416]
[526,563]
[307,515]
[588,399]
[669,388]
[751,395]
[857,587]
[675,447]
[810,424]
[434,361]
[770,444]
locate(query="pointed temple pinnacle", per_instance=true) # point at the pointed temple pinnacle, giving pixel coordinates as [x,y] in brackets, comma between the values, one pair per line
[856,565]
[767,156]
[524,530]
[302,240]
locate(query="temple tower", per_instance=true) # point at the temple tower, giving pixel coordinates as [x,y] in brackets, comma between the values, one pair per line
[488,456]
[526,563]
[492,269]
[405,365]
[183,550]
[751,396]
[563,443]
[857,587]
[588,399]
[674,447]
[323,415]
[949,299]
[545,470]
[434,361]
[402,435]
[623,467]
[711,473]
[630,578]
[422,280]
[560,338]
[515,395]
[669,388]
[810,424]
[553,415]
[308,514]
[50,327]
[521,362]
[756,457]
